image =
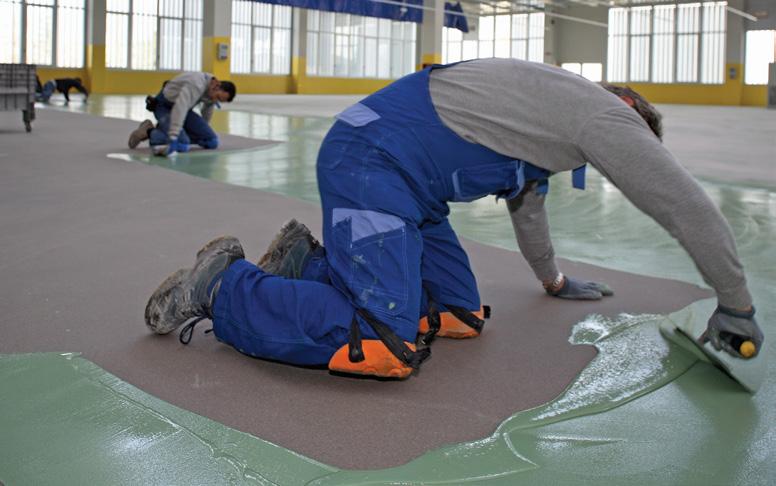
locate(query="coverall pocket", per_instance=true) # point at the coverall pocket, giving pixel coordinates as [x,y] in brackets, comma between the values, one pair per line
[357,115]
[373,265]
[479,181]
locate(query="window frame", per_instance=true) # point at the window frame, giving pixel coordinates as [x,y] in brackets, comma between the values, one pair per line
[699,34]
[747,66]
[398,39]
[55,6]
[128,40]
[453,39]
[274,28]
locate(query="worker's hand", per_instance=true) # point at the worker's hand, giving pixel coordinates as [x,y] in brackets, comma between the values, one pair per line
[580,290]
[729,328]
[177,146]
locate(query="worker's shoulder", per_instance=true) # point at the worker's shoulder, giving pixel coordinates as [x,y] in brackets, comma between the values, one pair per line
[510,65]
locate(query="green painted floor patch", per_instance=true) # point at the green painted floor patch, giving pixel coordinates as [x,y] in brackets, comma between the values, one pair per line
[97,428]
[633,360]
[64,420]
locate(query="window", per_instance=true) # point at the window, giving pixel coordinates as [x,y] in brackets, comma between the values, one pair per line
[760,47]
[663,43]
[154,34]
[520,36]
[687,40]
[682,43]
[261,37]
[53,32]
[640,33]
[354,46]
[589,70]
[713,43]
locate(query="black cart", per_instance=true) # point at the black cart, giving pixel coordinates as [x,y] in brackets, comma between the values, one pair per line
[17,90]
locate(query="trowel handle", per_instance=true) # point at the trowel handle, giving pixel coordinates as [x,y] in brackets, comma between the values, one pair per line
[744,346]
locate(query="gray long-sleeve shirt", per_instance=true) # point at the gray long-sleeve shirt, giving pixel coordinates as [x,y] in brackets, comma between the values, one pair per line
[185,91]
[558,121]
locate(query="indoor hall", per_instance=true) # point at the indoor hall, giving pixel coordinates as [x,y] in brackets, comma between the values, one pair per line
[552,391]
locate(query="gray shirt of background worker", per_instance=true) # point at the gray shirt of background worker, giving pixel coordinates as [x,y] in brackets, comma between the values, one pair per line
[557,120]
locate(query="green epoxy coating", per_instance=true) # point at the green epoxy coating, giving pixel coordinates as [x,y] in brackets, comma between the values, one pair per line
[64,420]
[699,429]
[97,427]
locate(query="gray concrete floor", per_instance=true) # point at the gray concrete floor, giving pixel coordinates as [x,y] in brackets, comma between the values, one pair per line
[293,105]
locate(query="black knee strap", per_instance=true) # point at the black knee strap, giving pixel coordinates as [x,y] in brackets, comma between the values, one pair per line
[395,345]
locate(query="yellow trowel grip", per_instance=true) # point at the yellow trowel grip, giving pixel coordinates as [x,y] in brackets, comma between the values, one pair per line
[747,349]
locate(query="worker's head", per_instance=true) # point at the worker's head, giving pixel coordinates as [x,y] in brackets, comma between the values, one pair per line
[221,90]
[642,106]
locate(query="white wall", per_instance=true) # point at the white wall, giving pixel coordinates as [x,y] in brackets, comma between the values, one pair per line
[578,42]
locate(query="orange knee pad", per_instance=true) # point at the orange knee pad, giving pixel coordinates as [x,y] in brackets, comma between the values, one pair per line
[451,327]
[378,361]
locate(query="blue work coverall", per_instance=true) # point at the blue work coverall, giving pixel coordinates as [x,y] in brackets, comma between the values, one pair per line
[386,172]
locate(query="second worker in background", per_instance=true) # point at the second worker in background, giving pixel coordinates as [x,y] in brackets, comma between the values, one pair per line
[178,125]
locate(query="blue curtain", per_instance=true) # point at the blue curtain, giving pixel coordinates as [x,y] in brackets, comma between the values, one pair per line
[369,8]
[366,8]
[455,21]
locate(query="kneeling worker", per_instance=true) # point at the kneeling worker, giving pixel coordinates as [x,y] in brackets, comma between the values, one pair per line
[393,267]
[43,92]
[178,125]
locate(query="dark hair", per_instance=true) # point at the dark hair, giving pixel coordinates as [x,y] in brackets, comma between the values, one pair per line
[641,105]
[229,87]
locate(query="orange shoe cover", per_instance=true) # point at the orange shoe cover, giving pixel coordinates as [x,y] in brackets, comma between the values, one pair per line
[451,327]
[379,361]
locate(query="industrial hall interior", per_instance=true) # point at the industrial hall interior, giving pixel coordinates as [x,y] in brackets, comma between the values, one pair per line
[382,242]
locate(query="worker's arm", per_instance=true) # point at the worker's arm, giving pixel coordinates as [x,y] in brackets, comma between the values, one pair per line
[620,145]
[529,220]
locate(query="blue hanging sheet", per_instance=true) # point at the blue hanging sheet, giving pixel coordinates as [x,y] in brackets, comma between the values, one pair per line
[366,8]
[369,8]
[455,21]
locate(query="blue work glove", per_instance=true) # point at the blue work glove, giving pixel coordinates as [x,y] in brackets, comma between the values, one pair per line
[729,328]
[581,290]
[177,146]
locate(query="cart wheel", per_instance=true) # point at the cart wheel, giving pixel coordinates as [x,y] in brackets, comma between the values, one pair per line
[28,116]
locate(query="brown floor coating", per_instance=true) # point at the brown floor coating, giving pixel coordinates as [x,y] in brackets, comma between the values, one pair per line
[85,239]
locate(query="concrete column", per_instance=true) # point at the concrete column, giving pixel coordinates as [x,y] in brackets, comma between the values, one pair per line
[550,40]
[95,45]
[217,29]
[429,45]
[298,49]
[734,42]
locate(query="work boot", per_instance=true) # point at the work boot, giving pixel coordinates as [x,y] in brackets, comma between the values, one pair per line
[290,251]
[140,133]
[190,293]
